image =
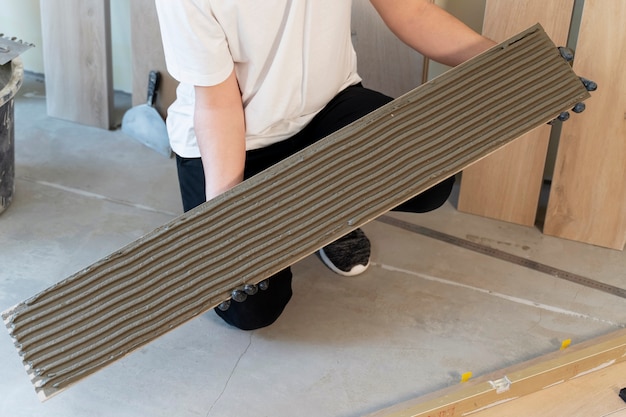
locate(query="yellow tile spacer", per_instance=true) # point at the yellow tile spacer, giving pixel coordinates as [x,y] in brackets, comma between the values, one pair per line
[566,344]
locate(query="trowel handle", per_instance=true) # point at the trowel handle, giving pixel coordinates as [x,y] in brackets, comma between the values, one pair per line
[153,84]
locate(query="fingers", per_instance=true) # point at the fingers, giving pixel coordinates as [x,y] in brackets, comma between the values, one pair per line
[250,289]
[568,55]
[241,295]
[579,108]
[561,117]
[589,85]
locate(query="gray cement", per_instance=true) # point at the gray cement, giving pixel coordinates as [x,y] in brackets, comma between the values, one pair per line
[422,315]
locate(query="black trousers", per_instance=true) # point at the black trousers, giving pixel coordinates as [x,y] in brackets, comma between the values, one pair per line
[349,105]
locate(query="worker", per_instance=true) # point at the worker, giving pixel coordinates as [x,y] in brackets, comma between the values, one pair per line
[261,80]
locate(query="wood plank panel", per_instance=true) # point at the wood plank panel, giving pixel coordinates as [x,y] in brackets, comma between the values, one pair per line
[289,211]
[588,196]
[385,63]
[77,60]
[582,380]
[591,395]
[506,185]
[147,55]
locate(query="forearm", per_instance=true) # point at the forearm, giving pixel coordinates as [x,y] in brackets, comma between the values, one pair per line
[431,30]
[220,131]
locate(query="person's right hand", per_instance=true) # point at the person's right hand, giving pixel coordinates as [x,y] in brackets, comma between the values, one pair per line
[568,55]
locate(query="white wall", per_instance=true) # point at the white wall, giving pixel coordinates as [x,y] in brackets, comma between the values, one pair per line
[471,12]
[120,45]
[22,19]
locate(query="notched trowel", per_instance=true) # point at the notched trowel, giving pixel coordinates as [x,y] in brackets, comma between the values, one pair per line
[11,48]
[144,122]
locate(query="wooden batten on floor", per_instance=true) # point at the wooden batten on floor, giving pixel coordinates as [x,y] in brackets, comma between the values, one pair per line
[289,211]
[557,380]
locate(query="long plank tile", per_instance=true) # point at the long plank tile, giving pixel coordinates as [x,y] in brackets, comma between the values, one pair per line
[289,211]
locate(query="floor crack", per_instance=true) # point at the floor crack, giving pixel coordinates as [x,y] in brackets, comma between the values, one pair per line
[232,372]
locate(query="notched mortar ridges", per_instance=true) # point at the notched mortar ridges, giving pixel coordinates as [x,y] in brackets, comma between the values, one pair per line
[289,211]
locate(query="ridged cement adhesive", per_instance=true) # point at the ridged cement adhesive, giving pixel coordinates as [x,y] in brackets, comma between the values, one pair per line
[289,211]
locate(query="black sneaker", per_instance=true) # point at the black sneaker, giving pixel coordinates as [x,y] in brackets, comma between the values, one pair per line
[348,255]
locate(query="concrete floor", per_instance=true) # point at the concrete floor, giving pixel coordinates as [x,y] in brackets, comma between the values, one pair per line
[422,315]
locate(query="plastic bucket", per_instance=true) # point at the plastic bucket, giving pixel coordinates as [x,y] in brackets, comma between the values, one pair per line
[11,76]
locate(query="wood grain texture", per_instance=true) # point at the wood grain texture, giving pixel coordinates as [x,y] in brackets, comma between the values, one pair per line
[506,185]
[77,60]
[581,380]
[588,196]
[385,63]
[147,55]
[591,395]
[289,211]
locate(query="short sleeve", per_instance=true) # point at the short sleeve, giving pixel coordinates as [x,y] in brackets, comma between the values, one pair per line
[195,46]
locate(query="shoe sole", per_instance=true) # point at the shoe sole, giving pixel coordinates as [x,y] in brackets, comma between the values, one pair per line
[356,270]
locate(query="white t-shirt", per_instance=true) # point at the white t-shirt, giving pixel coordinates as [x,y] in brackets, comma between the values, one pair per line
[291,57]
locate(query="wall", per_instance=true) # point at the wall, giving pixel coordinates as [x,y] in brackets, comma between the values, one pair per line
[22,19]
[120,45]
[471,12]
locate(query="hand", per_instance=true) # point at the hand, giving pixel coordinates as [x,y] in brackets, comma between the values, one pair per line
[568,55]
[241,294]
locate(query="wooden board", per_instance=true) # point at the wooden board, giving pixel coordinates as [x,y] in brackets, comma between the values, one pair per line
[588,196]
[385,63]
[147,55]
[506,185]
[591,395]
[548,385]
[77,61]
[290,210]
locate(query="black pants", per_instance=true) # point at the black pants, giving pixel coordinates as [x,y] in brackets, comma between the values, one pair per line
[351,104]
